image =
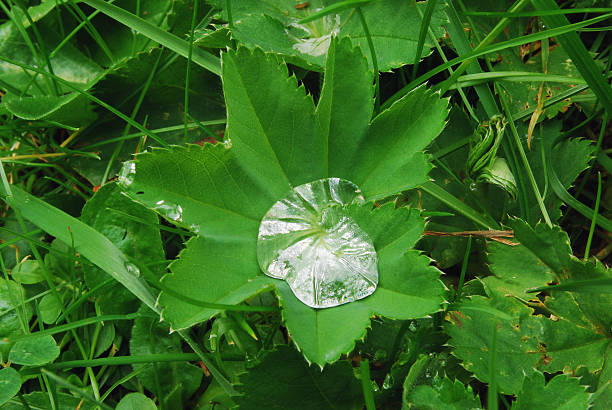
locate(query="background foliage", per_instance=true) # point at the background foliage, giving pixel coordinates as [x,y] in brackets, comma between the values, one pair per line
[142,142]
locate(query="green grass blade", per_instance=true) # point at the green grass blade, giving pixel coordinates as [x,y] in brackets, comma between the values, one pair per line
[480,78]
[334,9]
[168,40]
[364,24]
[587,249]
[529,38]
[97,249]
[366,384]
[580,56]
[87,241]
[524,160]
[538,13]
[440,194]
[425,21]
[489,38]
[572,202]
[492,399]
[91,97]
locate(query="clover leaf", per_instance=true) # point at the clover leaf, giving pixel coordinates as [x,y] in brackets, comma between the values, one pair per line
[278,141]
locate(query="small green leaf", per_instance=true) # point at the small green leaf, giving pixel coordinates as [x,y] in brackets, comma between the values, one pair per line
[49,308]
[71,109]
[285,379]
[562,392]
[136,401]
[10,383]
[12,308]
[517,349]
[443,394]
[34,351]
[27,272]
[41,400]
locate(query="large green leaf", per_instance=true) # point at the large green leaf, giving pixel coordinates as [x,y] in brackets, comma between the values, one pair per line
[524,95]
[283,380]
[570,338]
[221,192]
[562,392]
[214,271]
[390,158]
[577,330]
[408,288]
[516,270]
[41,100]
[396,40]
[275,27]
[204,189]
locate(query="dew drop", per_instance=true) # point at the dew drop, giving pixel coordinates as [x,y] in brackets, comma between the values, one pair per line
[169,210]
[132,269]
[127,174]
[309,240]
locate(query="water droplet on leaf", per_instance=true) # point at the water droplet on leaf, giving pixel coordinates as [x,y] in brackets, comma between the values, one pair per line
[132,269]
[309,240]
[169,210]
[127,174]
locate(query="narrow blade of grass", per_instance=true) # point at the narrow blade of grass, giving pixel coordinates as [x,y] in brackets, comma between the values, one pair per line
[334,9]
[425,21]
[440,194]
[580,56]
[168,40]
[97,249]
[366,384]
